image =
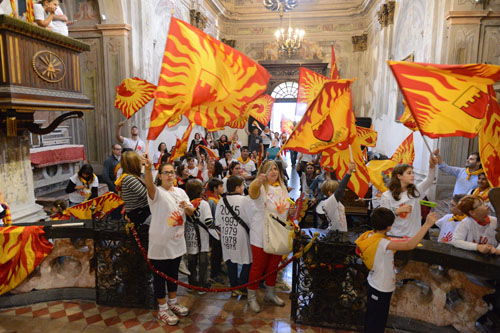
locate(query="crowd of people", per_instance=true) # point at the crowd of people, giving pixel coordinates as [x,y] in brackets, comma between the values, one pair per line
[209,207]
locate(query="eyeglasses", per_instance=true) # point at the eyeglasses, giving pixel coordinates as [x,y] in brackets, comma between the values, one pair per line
[119,149]
[167,173]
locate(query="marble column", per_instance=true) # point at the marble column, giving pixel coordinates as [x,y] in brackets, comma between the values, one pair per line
[16,179]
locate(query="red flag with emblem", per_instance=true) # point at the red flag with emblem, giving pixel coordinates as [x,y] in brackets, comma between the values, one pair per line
[489,141]
[260,109]
[446,100]
[103,204]
[327,122]
[338,158]
[203,79]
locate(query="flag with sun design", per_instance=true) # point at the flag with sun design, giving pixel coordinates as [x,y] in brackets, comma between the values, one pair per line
[446,100]
[132,94]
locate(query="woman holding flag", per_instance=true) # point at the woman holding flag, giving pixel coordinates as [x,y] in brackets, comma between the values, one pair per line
[403,198]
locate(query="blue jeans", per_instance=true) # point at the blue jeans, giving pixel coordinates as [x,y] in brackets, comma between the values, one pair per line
[232,271]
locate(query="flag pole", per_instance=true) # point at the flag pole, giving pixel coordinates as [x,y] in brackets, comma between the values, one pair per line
[350,154]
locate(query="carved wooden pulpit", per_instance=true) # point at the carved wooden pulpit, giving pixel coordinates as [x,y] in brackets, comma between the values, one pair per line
[39,71]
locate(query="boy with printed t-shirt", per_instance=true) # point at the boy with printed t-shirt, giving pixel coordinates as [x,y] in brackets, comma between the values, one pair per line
[377,252]
[449,223]
[230,215]
[197,235]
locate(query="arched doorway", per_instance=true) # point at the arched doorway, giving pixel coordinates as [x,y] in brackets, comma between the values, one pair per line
[284,109]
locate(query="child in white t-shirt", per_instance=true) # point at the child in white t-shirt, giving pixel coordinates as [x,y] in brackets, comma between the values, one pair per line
[476,232]
[197,235]
[334,210]
[448,223]
[235,236]
[377,252]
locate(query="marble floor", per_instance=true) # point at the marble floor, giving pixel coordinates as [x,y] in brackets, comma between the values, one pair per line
[212,312]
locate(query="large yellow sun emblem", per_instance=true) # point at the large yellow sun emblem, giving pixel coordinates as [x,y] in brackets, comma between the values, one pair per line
[48,66]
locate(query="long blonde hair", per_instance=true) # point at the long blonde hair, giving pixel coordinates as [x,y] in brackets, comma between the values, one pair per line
[264,169]
[131,163]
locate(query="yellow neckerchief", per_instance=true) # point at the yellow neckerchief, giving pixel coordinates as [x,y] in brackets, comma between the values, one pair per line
[457,218]
[367,246]
[475,173]
[7,219]
[118,182]
[87,183]
[117,167]
[276,183]
[242,161]
[482,194]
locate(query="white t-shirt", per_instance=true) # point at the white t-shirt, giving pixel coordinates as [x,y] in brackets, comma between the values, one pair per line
[224,164]
[204,215]
[82,195]
[469,233]
[234,238]
[40,13]
[335,213]
[166,232]
[274,201]
[193,172]
[410,224]
[137,145]
[382,276]
[248,167]
[59,26]
[447,228]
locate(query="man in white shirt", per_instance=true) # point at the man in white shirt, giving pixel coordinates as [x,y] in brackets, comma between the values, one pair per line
[135,143]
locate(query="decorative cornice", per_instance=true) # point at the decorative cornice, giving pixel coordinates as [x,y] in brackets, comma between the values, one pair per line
[470,17]
[360,43]
[114,29]
[385,13]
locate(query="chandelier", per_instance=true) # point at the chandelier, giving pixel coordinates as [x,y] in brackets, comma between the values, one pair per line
[280,5]
[288,41]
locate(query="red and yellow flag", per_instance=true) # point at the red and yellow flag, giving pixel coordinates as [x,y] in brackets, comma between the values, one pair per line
[366,136]
[327,122]
[23,249]
[103,204]
[489,141]
[380,170]
[132,94]
[334,71]
[7,219]
[181,146]
[260,109]
[446,100]
[203,79]
[310,85]
[338,158]
[30,11]
[407,118]
[211,153]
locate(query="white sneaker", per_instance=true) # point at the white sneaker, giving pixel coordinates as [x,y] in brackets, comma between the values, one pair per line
[168,317]
[179,310]
[183,268]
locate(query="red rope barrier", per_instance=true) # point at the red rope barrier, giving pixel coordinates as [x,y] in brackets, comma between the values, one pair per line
[210,290]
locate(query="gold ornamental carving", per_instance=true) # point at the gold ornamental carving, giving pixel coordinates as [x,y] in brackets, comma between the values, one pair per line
[48,66]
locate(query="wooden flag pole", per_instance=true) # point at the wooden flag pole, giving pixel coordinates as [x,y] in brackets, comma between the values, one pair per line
[350,154]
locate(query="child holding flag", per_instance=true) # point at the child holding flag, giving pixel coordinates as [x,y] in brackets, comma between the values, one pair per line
[377,252]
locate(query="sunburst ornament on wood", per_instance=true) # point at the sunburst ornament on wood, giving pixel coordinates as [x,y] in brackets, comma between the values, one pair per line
[48,66]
